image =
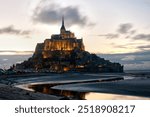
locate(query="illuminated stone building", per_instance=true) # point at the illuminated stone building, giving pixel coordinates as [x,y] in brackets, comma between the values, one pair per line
[65,41]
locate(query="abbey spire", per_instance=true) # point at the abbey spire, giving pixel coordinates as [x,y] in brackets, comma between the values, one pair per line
[62,29]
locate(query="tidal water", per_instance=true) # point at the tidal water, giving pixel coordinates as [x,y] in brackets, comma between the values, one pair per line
[77,95]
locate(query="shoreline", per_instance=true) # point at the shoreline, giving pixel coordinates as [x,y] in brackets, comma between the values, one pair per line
[8,92]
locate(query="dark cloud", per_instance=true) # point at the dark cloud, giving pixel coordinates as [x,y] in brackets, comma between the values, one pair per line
[132,32]
[51,13]
[142,37]
[26,32]
[110,36]
[138,46]
[125,28]
[128,32]
[127,37]
[120,46]
[144,47]
[11,30]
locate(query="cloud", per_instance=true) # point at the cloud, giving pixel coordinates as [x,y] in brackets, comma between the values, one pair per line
[11,30]
[13,52]
[142,37]
[110,36]
[120,46]
[132,32]
[51,13]
[125,28]
[129,58]
[144,47]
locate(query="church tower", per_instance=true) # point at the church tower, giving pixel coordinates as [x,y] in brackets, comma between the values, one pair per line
[65,34]
[62,29]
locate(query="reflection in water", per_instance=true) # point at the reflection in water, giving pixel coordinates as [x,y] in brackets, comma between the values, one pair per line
[104,96]
[46,88]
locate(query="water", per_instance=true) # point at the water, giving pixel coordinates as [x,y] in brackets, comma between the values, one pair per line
[46,88]
[85,86]
[105,96]
[8,60]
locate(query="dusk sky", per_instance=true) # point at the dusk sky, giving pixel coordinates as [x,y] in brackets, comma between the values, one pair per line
[120,28]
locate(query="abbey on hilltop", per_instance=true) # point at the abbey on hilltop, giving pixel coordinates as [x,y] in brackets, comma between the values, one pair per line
[65,41]
[64,52]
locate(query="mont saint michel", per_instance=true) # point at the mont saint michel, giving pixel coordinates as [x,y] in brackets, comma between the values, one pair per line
[64,52]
